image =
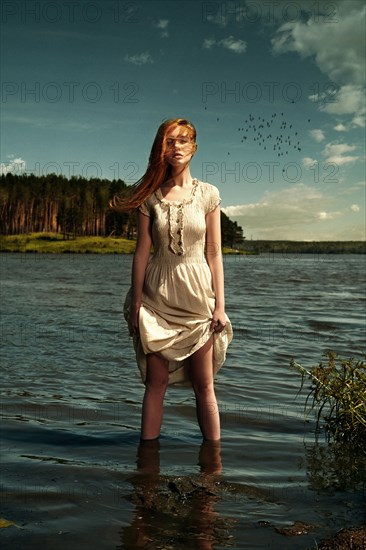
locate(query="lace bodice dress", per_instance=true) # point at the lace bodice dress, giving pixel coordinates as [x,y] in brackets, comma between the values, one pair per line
[178,297]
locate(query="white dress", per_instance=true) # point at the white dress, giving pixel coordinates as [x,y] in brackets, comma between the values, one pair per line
[178,297]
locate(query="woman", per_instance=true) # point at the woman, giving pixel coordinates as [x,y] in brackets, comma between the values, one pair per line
[175,307]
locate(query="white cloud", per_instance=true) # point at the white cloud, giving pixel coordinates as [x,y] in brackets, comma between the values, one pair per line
[162,24]
[317,135]
[360,118]
[338,50]
[341,160]
[300,212]
[322,215]
[328,215]
[347,100]
[355,208]
[308,162]
[337,47]
[230,43]
[67,123]
[340,127]
[208,43]
[335,153]
[139,58]
[282,209]
[357,188]
[14,166]
[218,18]
[234,45]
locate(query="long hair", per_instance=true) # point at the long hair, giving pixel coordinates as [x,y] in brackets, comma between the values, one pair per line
[158,169]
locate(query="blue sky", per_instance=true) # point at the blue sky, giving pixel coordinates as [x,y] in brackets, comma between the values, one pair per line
[275,89]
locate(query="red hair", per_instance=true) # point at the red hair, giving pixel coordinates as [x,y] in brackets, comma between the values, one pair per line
[158,169]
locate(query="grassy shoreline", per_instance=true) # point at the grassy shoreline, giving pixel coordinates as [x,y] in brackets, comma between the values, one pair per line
[55,243]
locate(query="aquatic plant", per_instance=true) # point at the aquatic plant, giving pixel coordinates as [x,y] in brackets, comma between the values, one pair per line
[337,394]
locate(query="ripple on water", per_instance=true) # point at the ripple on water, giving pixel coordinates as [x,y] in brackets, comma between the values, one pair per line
[72,400]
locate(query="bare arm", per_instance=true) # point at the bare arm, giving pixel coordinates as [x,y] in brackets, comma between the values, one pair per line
[214,260]
[140,259]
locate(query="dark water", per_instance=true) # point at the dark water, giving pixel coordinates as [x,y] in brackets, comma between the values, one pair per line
[71,398]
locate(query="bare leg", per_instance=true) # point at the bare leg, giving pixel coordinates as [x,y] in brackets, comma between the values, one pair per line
[155,388]
[201,375]
[210,457]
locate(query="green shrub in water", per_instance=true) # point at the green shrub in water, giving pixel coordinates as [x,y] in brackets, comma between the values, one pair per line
[338,395]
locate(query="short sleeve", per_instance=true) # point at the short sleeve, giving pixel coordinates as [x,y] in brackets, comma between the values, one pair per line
[144,209]
[214,199]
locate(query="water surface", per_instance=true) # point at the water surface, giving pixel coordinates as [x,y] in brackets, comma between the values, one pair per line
[73,474]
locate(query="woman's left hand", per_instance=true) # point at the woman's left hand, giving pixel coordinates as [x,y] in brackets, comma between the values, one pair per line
[218,322]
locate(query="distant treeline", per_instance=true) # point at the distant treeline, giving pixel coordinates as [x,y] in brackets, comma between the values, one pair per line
[74,207]
[312,247]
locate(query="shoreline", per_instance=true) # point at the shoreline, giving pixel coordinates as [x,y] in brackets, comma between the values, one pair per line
[55,243]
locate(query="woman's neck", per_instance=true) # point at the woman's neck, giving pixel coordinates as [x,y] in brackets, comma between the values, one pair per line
[181,178]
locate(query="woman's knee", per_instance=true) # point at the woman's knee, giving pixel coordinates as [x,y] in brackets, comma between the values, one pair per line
[201,370]
[202,388]
[156,383]
[157,374]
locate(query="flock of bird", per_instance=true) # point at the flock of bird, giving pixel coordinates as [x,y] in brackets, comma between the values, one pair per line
[275,134]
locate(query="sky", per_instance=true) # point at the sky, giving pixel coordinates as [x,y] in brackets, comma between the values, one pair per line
[275,89]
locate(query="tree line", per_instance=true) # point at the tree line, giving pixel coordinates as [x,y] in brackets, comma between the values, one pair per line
[305,247]
[74,207]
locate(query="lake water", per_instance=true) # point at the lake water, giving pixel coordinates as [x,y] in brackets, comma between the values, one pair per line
[73,475]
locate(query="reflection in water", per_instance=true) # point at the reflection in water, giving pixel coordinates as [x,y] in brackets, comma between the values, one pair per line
[336,467]
[176,512]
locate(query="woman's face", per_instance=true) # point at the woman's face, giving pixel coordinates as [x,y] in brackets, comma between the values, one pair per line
[180,146]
